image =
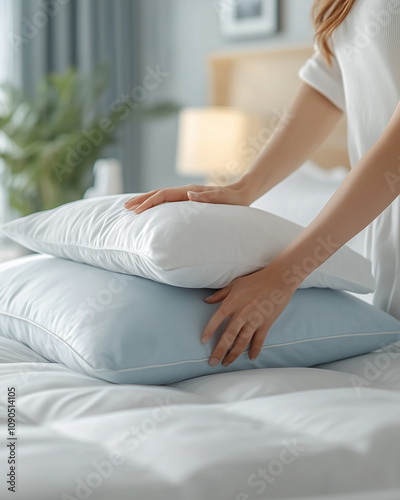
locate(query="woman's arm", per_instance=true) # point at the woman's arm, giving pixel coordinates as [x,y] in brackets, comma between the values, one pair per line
[309,120]
[307,123]
[369,188]
[255,301]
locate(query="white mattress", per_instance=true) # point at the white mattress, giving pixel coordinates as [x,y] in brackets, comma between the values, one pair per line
[206,438]
[331,432]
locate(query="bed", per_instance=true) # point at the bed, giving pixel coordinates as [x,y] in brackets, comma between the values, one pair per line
[330,432]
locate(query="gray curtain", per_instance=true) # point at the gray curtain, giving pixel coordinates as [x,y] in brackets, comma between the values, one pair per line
[84,33]
[9,73]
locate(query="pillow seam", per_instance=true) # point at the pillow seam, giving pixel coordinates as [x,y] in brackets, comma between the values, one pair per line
[95,370]
[143,256]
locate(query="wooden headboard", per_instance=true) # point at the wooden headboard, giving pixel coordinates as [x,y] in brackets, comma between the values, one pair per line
[265,82]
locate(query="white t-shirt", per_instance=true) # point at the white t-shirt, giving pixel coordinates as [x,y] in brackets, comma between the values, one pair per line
[364,81]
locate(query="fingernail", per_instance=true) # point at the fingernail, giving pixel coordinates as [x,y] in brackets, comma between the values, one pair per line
[252,359]
[225,364]
[203,340]
[208,298]
[213,362]
[193,194]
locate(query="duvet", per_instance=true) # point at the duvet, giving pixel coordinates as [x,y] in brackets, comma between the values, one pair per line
[329,432]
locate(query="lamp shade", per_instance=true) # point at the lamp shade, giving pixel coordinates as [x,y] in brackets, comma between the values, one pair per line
[212,142]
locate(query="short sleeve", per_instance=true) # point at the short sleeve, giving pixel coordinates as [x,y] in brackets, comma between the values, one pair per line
[326,80]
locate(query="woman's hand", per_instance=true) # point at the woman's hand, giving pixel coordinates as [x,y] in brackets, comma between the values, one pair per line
[253,303]
[234,194]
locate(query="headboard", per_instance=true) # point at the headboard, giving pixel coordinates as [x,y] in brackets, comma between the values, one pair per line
[262,81]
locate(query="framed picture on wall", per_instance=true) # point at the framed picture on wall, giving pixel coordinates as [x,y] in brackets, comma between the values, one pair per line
[249,18]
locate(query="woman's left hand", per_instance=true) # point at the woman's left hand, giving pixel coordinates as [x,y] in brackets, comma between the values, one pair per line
[253,302]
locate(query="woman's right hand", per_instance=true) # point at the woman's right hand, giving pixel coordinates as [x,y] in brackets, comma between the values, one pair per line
[233,194]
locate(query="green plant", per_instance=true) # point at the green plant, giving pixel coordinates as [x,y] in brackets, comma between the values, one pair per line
[44,133]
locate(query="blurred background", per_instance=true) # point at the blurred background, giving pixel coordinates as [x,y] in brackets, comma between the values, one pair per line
[88,80]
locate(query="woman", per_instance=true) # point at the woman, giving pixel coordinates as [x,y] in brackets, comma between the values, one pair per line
[356,69]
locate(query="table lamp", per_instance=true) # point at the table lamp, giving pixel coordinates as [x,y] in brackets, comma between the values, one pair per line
[213,142]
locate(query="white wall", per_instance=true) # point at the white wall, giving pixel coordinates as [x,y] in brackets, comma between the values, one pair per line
[178,34]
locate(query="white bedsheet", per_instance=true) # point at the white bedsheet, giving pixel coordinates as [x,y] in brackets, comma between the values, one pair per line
[331,432]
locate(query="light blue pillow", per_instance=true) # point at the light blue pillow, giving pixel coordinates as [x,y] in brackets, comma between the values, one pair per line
[128,329]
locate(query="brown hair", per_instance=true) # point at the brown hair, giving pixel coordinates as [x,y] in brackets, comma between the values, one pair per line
[327,16]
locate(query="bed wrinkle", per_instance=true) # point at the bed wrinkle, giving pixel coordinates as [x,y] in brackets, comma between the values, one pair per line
[67,438]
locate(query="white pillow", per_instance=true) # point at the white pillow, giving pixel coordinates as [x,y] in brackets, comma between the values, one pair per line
[186,244]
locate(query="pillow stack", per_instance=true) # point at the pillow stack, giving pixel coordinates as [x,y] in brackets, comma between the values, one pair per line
[120,296]
[186,244]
